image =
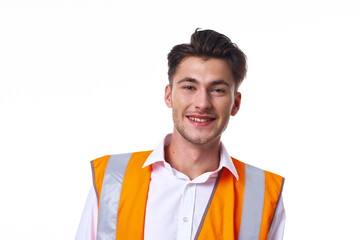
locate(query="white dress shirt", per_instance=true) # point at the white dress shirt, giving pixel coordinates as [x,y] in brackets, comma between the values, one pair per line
[175,204]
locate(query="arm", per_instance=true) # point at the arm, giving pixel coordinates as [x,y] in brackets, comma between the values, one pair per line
[88,222]
[276,231]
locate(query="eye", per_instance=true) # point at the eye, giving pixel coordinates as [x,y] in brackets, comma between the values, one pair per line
[218,90]
[189,88]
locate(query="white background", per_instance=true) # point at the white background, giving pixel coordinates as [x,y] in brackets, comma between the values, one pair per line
[83,79]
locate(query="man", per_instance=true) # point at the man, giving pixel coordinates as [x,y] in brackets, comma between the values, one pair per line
[188,187]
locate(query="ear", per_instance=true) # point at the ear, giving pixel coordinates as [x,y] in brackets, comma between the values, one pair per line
[237,102]
[168,96]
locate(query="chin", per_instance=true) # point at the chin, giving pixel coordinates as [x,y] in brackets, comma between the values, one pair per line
[201,140]
[195,136]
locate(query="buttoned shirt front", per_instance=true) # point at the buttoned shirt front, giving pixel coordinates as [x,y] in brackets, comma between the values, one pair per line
[175,203]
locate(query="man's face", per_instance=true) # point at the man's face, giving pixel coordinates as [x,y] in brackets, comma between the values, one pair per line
[202,98]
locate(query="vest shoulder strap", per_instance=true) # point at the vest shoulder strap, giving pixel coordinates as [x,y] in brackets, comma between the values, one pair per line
[261,196]
[244,208]
[114,179]
[109,170]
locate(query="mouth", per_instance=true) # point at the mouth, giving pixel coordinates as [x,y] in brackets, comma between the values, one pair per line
[200,120]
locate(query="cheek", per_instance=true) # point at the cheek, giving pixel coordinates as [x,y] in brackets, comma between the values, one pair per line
[180,101]
[226,107]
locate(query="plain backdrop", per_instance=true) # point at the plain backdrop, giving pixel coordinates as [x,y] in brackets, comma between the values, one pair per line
[83,79]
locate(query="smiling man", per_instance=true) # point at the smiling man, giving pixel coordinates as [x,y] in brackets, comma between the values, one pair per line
[188,187]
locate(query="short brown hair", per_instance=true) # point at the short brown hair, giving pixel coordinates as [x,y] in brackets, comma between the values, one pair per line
[209,44]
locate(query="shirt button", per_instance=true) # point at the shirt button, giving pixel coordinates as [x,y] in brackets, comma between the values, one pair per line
[185,219]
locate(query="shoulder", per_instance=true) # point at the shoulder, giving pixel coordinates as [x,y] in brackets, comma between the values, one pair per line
[248,168]
[105,159]
[102,162]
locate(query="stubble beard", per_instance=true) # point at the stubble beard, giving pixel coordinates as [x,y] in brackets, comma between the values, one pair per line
[197,140]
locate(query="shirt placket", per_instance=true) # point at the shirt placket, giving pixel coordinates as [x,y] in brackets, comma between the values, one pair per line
[186,214]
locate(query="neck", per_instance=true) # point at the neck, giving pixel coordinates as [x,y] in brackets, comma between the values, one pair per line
[192,159]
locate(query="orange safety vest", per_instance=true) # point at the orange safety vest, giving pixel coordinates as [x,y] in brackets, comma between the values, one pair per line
[237,209]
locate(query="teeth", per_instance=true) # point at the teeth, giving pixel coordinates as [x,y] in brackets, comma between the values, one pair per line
[200,119]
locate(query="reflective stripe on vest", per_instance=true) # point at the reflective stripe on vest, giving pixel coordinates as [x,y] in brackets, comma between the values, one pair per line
[110,195]
[257,200]
[253,203]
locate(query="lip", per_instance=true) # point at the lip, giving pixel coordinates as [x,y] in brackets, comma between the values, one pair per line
[201,120]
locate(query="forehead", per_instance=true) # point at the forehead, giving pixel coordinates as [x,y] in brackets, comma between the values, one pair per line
[204,70]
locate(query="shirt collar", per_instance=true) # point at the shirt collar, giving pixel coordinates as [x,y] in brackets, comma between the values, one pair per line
[226,161]
[158,156]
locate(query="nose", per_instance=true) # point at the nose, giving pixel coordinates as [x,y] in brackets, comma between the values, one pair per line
[202,100]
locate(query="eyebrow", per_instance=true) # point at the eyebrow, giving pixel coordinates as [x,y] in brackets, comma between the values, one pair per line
[192,80]
[218,82]
[187,79]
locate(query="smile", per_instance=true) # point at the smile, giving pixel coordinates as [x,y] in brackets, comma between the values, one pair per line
[201,119]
